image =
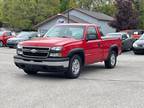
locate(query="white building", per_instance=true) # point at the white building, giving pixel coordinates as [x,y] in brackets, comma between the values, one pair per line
[77,16]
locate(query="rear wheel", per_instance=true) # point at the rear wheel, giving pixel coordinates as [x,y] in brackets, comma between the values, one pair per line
[111,61]
[30,72]
[74,67]
[137,53]
[1,44]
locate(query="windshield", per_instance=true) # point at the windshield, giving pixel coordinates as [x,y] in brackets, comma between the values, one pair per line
[65,31]
[1,33]
[142,37]
[24,35]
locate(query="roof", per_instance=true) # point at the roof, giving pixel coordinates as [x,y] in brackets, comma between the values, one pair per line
[96,15]
[71,18]
[76,19]
[78,24]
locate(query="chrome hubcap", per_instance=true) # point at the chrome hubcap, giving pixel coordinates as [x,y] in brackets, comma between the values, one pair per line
[113,59]
[75,66]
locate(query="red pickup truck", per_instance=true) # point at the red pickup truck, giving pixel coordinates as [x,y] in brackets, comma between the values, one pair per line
[67,48]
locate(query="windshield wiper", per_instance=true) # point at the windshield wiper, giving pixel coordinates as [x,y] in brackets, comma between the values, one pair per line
[66,36]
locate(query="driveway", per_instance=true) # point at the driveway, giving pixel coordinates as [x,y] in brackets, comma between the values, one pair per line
[97,87]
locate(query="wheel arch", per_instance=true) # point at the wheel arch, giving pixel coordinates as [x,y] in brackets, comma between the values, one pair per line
[113,48]
[77,51]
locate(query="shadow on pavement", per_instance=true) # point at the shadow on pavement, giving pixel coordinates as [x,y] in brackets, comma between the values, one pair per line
[60,75]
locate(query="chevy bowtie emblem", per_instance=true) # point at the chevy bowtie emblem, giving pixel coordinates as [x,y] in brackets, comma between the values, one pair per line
[34,51]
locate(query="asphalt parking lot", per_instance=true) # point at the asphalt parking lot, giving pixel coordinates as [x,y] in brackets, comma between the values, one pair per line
[97,87]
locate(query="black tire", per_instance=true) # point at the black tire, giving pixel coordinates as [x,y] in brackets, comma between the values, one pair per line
[1,44]
[30,72]
[111,61]
[136,53]
[74,72]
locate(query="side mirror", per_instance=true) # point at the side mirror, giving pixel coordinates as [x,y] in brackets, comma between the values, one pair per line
[30,37]
[124,38]
[38,35]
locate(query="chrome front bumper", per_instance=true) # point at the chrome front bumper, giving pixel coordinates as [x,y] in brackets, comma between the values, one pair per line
[54,62]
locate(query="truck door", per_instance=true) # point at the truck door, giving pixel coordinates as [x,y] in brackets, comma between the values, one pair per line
[93,48]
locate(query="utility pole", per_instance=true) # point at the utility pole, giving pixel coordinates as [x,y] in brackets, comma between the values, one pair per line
[68,16]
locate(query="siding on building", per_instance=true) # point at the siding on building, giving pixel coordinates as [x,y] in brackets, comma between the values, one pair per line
[45,27]
[78,16]
[103,24]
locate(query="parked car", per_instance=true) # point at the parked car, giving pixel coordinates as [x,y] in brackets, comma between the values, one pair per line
[4,36]
[66,48]
[127,41]
[22,36]
[138,46]
[137,34]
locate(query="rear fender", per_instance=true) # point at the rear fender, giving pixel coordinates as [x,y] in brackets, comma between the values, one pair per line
[113,48]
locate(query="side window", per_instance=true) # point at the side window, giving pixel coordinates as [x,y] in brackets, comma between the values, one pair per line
[101,33]
[92,34]
[34,35]
[8,33]
[142,32]
[124,36]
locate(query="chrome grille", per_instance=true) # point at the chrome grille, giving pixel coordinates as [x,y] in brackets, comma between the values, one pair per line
[36,52]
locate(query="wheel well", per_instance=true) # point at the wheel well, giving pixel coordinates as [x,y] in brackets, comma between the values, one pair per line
[80,54]
[1,41]
[115,49]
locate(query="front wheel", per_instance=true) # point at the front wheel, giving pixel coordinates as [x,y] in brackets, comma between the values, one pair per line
[111,61]
[74,67]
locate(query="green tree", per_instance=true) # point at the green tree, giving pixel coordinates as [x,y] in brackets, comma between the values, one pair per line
[24,14]
[67,4]
[86,4]
[1,14]
[108,9]
[126,16]
[64,5]
[139,5]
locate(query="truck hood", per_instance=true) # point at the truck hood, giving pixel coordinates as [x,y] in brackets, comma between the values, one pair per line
[49,42]
[140,42]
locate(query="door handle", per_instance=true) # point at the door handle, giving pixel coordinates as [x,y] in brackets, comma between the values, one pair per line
[99,44]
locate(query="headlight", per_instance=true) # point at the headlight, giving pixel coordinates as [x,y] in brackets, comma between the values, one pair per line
[56,49]
[19,46]
[55,55]
[19,52]
[135,45]
[55,52]
[19,49]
